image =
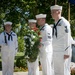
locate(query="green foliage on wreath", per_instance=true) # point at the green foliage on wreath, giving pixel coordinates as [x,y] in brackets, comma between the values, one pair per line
[32,40]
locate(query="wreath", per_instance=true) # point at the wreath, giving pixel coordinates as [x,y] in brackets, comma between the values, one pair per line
[32,41]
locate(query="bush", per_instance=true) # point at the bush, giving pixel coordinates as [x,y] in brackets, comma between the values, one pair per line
[21,62]
[21,44]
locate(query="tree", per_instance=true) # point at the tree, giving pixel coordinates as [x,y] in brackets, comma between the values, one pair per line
[19,11]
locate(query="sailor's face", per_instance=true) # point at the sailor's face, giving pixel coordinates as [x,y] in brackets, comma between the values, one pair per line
[54,13]
[8,27]
[32,25]
[40,21]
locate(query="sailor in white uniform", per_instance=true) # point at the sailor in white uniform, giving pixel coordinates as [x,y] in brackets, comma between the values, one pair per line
[46,50]
[61,42]
[9,47]
[33,67]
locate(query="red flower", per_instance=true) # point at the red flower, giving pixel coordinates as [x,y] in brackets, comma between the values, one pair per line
[37,30]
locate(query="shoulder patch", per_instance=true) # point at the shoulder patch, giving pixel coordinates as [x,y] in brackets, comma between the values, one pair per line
[66,29]
[49,37]
[48,33]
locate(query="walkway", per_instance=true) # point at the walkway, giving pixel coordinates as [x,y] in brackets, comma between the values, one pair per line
[20,73]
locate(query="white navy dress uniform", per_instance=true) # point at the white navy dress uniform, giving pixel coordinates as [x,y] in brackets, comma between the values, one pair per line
[61,45]
[33,67]
[9,47]
[46,51]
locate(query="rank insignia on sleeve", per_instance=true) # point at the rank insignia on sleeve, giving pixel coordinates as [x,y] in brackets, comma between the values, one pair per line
[66,29]
[48,33]
[49,37]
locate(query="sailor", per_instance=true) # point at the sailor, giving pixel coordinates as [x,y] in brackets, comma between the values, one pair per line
[33,67]
[61,42]
[9,47]
[46,51]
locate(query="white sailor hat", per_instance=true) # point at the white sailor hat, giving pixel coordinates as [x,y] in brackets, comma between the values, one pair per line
[32,20]
[8,23]
[41,16]
[56,7]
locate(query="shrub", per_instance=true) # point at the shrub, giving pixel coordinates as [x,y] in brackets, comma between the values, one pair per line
[21,62]
[21,44]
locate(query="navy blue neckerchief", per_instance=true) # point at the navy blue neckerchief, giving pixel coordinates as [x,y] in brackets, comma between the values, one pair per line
[5,38]
[55,28]
[42,28]
[10,36]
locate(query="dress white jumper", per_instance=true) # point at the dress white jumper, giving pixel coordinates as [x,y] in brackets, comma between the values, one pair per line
[46,51]
[61,47]
[9,48]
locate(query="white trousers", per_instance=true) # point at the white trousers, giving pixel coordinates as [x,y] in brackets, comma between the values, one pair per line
[46,60]
[7,64]
[67,67]
[33,68]
[61,66]
[58,59]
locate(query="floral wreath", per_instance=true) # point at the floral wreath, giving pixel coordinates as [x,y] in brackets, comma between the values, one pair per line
[32,41]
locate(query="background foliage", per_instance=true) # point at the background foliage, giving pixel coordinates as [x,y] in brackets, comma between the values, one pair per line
[19,11]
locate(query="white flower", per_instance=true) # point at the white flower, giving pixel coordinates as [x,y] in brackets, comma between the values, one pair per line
[26,57]
[33,36]
[32,30]
[32,43]
[25,37]
[30,39]
[27,45]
